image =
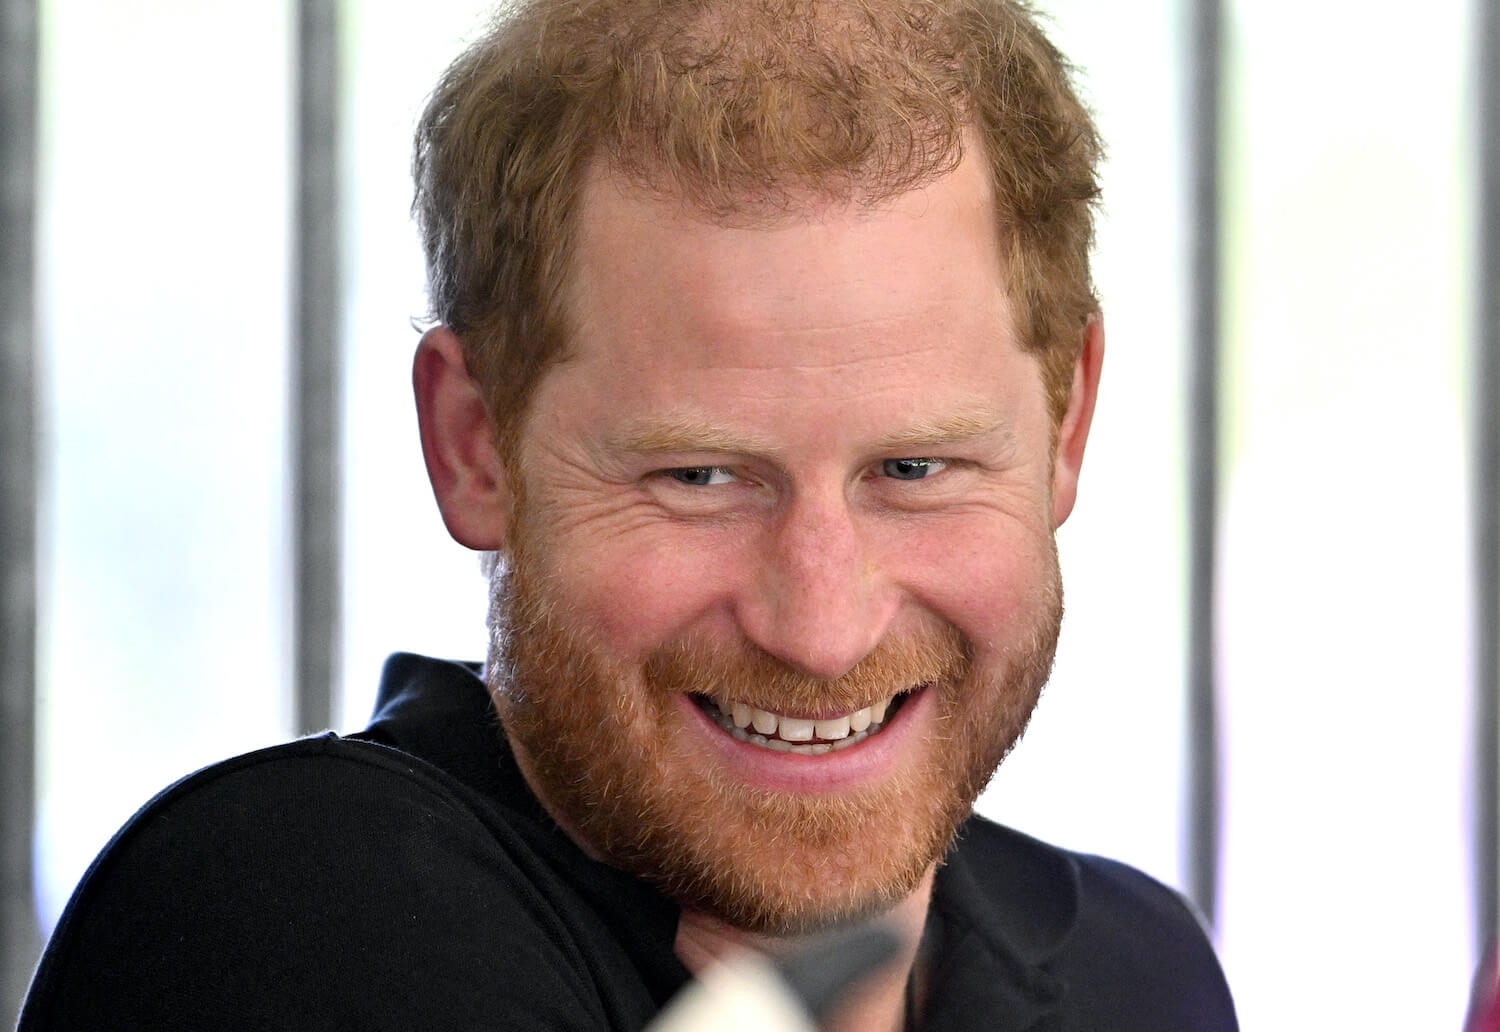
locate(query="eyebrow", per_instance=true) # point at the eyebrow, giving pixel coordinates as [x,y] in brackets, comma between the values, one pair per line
[678,435]
[650,436]
[957,429]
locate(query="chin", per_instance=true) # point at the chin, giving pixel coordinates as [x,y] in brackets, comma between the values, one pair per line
[620,762]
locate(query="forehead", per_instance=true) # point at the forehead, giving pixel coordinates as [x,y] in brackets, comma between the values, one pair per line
[835,301]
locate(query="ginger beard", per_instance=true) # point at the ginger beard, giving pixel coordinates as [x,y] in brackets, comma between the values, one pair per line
[604,746]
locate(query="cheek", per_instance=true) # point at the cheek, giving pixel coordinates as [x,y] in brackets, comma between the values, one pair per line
[990,584]
[638,591]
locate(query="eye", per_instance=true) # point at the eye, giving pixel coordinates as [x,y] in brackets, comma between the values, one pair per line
[701,476]
[911,469]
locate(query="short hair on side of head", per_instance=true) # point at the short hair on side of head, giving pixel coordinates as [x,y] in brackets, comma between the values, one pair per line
[741,107]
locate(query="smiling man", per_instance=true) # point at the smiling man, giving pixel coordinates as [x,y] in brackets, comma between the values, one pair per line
[764,358]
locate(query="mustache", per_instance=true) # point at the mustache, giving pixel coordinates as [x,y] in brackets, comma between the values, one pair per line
[742,671]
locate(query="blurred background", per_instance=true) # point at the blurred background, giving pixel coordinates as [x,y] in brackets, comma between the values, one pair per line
[1277,643]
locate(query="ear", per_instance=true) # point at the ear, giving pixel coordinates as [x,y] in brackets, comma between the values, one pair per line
[1073,433]
[458,443]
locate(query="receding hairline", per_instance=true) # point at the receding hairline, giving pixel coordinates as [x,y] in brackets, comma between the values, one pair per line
[807,206]
[742,94]
[788,198]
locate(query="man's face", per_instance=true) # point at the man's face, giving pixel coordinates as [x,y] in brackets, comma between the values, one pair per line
[790,476]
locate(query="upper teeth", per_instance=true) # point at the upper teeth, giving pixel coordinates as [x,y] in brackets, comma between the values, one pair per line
[800,729]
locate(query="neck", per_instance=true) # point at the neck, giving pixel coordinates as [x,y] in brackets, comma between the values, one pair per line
[877,1005]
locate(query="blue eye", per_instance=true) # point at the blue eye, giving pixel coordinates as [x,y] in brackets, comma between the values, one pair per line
[910,469]
[701,476]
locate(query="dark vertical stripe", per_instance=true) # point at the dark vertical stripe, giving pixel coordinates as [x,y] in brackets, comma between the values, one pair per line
[1486,404]
[18,492]
[1202,813]
[316,370]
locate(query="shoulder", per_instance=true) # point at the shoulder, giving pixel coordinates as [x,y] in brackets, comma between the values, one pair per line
[1125,949]
[1144,947]
[313,884]
[309,814]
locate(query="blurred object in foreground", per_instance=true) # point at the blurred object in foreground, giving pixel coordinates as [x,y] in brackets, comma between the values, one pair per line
[750,994]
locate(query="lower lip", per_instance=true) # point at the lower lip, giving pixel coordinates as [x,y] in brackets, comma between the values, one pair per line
[839,770]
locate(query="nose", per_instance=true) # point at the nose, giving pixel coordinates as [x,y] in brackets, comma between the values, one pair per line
[821,600]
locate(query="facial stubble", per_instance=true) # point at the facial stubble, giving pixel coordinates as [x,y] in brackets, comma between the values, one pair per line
[603,745]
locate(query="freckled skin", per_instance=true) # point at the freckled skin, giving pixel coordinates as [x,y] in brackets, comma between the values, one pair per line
[816,338]
[713,465]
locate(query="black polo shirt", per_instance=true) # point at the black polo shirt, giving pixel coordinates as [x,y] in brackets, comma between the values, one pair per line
[405,878]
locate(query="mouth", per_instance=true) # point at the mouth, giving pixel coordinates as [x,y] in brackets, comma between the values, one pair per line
[780,732]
